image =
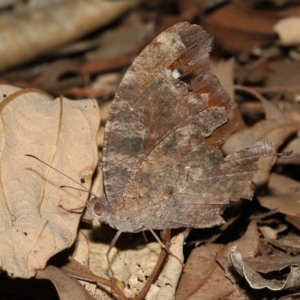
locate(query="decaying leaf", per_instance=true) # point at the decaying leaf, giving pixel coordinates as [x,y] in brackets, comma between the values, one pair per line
[204,278]
[38,218]
[66,287]
[276,131]
[270,263]
[255,280]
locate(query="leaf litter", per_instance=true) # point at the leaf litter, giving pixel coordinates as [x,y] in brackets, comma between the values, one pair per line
[272,247]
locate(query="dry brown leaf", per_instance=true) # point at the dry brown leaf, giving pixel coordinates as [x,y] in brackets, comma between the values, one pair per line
[66,287]
[247,137]
[224,72]
[40,31]
[268,263]
[203,278]
[255,280]
[283,195]
[293,220]
[38,218]
[275,131]
[285,74]
[250,27]
[202,275]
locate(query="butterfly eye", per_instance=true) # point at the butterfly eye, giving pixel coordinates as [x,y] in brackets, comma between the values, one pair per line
[98,208]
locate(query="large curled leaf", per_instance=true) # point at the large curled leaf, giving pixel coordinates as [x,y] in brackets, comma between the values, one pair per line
[38,218]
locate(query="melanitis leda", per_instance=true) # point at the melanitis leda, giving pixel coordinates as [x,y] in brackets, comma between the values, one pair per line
[162,163]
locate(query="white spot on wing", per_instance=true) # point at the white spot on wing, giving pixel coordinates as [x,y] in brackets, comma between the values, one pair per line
[176,74]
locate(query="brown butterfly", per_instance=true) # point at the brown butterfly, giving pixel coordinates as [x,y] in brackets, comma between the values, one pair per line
[162,163]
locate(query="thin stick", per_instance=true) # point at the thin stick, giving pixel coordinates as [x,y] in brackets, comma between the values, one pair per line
[154,274]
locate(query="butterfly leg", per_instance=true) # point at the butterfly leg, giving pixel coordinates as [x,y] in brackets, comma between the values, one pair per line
[166,233]
[112,244]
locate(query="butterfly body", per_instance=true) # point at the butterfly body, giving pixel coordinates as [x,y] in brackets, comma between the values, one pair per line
[162,163]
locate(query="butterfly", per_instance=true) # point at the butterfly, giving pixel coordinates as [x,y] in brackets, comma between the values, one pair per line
[162,163]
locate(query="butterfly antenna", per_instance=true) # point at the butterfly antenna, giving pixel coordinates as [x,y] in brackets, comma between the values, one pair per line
[71,187]
[63,186]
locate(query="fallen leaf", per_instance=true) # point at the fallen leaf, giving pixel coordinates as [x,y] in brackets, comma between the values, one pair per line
[66,287]
[75,269]
[38,218]
[270,263]
[39,32]
[283,195]
[131,266]
[288,30]
[204,278]
[167,281]
[250,27]
[275,131]
[285,74]
[255,280]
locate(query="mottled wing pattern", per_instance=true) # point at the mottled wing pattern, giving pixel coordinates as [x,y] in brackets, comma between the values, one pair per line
[151,102]
[193,191]
[163,166]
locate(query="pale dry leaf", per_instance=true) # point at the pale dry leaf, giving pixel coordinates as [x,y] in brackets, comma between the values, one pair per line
[81,254]
[6,90]
[81,249]
[293,220]
[247,137]
[38,218]
[131,266]
[288,30]
[170,274]
[271,233]
[293,280]
[106,84]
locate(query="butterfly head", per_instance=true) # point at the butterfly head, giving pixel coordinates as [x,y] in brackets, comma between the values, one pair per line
[99,208]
